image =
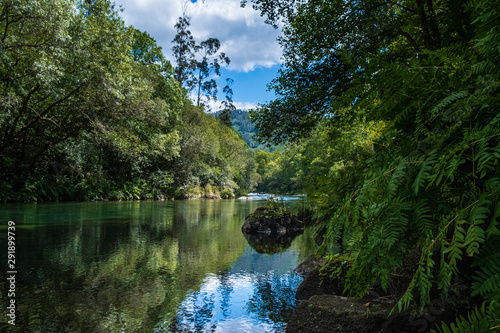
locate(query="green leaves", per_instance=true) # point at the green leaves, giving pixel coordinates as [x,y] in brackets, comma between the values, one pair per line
[197,63]
[424,173]
[428,180]
[487,280]
[82,91]
[482,319]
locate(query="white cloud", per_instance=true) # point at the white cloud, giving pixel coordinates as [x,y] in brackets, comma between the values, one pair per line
[244,36]
[216,105]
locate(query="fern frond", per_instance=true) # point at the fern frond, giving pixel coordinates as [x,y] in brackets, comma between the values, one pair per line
[479,320]
[397,178]
[487,282]
[446,102]
[424,173]
[422,218]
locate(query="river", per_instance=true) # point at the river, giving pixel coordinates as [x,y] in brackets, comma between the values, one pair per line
[145,266]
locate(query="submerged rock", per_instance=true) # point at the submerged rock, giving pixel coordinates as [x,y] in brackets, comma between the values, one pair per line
[272,220]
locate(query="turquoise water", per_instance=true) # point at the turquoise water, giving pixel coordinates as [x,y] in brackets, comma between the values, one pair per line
[172,266]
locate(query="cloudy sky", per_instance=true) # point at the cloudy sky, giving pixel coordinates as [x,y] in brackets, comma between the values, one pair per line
[245,38]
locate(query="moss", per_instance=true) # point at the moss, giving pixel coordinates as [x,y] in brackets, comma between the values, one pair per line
[333,273]
[270,212]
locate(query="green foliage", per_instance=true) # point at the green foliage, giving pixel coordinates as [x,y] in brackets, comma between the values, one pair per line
[62,71]
[273,211]
[487,280]
[394,113]
[226,194]
[335,270]
[483,319]
[316,78]
[91,109]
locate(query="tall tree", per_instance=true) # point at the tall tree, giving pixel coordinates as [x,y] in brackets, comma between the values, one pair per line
[184,50]
[206,67]
[227,104]
[197,63]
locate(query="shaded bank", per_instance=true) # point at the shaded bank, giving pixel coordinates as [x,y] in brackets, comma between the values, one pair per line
[324,305]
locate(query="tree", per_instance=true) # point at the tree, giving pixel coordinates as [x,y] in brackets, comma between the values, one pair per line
[228,106]
[89,103]
[62,71]
[145,50]
[326,45]
[196,64]
[426,72]
[184,50]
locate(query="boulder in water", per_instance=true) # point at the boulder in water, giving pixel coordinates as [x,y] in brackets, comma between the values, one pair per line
[272,220]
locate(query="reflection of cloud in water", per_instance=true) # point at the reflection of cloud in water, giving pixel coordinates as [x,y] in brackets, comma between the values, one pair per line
[244,325]
[251,297]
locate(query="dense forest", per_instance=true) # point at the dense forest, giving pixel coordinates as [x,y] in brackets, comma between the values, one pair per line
[92,110]
[387,115]
[391,114]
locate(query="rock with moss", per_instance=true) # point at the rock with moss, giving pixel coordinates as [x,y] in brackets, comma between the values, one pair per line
[272,220]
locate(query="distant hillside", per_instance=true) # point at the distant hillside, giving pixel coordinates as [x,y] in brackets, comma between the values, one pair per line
[244,127]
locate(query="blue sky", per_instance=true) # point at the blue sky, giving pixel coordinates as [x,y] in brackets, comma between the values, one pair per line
[245,38]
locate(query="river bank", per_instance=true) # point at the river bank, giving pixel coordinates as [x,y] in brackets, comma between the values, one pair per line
[322,305]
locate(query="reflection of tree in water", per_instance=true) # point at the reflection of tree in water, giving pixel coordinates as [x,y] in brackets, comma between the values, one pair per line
[196,314]
[198,311]
[225,289]
[126,267]
[272,302]
[274,298]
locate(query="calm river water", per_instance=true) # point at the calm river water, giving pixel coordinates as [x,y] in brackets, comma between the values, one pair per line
[172,266]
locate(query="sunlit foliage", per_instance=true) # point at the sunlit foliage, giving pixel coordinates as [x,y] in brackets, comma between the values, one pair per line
[407,93]
[91,109]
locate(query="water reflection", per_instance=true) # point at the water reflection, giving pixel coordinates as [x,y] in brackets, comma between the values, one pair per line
[270,243]
[256,295]
[131,266]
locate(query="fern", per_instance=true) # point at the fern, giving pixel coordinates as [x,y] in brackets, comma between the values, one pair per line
[433,179]
[487,280]
[446,102]
[475,234]
[424,173]
[483,319]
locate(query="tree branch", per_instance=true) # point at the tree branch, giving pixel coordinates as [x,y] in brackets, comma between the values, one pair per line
[402,6]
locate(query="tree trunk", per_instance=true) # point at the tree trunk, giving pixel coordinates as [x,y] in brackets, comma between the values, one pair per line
[424,24]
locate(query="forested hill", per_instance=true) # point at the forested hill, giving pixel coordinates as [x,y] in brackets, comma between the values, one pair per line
[244,127]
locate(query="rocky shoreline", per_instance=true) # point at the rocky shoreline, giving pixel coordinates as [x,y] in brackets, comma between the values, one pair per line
[323,308]
[322,304]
